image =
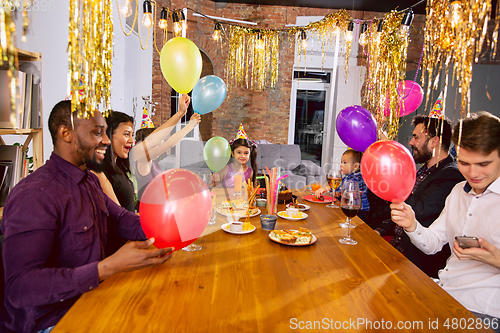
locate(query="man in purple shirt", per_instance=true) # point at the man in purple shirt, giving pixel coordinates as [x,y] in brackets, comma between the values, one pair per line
[55,224]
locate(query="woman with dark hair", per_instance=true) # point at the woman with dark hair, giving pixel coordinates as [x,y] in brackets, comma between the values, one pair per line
[115,175]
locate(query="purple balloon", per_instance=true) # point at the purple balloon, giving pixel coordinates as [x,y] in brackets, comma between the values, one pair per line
[356,127]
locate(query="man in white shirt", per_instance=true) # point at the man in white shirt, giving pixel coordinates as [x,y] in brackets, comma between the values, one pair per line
[472,275]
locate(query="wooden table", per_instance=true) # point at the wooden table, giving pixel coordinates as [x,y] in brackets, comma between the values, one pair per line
[247,283]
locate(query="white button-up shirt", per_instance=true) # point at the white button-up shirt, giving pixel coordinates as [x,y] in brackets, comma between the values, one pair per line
[474,284]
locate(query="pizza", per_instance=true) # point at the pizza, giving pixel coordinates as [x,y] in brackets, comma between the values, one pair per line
[301,236]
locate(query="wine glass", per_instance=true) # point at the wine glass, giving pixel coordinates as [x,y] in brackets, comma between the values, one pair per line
[349,185]
[350,204]
[208,178]
[334,179]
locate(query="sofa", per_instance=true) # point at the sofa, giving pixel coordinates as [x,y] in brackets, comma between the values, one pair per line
[286,157]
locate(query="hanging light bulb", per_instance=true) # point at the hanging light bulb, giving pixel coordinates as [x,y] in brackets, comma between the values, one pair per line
[454,13]
[126,8]
[336,30]
[378,35]
[363,38]
[303,38]
[260,41]
[183,20]
[217,31]
[348,34]
[162,23]
[177,24]
[147,20]
[404,29]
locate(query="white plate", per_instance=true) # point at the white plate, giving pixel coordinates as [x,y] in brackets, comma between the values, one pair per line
[313,240]
[225,227]
[238,212]
[302,207]
[280,214]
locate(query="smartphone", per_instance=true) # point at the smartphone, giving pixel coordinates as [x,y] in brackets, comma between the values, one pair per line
[466,242]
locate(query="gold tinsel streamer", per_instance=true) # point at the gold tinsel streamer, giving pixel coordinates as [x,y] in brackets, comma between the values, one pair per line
[90,51]
[386,68]
[8,54]
[460,45]
[253,56]
[326,30]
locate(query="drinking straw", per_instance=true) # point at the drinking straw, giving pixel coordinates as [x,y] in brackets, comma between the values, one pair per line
[268,194]
[277,182]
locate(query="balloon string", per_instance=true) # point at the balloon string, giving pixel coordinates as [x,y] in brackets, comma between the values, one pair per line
[416,74]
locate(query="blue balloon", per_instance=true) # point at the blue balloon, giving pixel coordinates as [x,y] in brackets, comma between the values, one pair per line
[356,127]
[208,94]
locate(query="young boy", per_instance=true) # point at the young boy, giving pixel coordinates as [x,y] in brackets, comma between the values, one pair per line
[350,170]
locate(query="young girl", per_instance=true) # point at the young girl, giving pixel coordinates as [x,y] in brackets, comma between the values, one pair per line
[243,150]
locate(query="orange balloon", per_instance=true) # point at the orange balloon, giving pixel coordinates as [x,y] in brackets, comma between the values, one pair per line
[180,63]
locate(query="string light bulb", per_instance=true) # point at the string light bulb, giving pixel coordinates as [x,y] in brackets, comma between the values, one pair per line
[454,13]
[126,8]
[177,24]
[404,29]
[378,35]
[348,34]
[183,20]
[260,41]
[162,23]
[363,38]
[147,20]
[217,31]
[303,38]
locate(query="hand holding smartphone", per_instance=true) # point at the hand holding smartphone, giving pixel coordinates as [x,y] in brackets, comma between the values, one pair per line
[466,242]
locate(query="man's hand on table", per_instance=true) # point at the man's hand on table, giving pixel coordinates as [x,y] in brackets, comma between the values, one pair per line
[133,256]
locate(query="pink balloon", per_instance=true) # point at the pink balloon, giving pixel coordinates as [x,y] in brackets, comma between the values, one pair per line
[175,208]
[411,102]
[389,170]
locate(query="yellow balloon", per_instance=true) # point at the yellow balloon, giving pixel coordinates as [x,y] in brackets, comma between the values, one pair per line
[180,63]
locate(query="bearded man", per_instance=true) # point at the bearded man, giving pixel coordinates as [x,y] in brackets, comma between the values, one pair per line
[436,177]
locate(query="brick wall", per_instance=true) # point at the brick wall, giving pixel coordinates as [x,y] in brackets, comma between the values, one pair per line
[265,114]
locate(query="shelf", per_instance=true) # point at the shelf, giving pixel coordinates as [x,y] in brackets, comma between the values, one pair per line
[23,55]
[4,131]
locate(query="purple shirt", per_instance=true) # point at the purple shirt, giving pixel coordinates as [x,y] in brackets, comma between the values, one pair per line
[55,223]
[228,180]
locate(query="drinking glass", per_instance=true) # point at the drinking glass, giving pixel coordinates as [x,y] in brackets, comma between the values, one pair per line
[238,179]
[211,220]
[208,178]
[350,204]
[192,247]
[334,179]
[349,185]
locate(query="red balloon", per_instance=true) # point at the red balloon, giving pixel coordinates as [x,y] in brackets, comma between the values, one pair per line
[175,208]
[389,170]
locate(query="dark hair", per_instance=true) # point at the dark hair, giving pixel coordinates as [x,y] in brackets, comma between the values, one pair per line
[253,153]
[122,166]
[59,116]
[433,128]
[143,133]
[480,133]
[356,155]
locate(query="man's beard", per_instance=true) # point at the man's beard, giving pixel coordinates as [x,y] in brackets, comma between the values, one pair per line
[423,155]
[94,165]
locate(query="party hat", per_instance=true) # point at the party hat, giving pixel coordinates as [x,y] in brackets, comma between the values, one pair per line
[241,133]
[146,119]
[437,109]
